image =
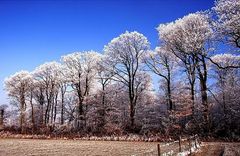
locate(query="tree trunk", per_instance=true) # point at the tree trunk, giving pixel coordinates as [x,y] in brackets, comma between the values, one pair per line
[46,112]
[1,119]
[132,114]
[193,98]
[131,102]
[103,112]
[226,128]
[80,114]
[169,95]
[204,96]
[55,108]
[205,104]
[22,112]
[41,103]
[62,106]
[52,110]
[33,121]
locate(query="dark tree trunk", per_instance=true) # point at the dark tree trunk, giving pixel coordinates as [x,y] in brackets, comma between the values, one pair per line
[1,118]
[22,111]
[82,93]
[62,108]
[41,103]
[103,111]
[169,95]
[132,102]
[80,117]
[202,72]
[47,111]
[55,108]
[32,113]
[205,104]
[132,114]
[193,98]
[79,107]
[52,110]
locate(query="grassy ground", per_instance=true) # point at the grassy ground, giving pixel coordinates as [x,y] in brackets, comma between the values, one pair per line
[27,147]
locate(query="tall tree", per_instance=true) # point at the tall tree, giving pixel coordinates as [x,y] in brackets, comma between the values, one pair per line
[191,36]
[39,98]
[163,63]
[17,86]
[226,88]
[47,74]
[82,70]
[125,54]
[63,85]
[30,96]
[104,78]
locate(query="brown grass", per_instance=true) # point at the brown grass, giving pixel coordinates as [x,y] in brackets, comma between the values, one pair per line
[51,147]
[27,147]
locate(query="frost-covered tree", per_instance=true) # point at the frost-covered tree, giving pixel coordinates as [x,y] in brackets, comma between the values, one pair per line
[70,107]
[30,98]
[226,60]
[104,78]
[227,90]
[63,85]
[190,36]
[228,21]
[163,63]
[47,74]
[111,93]
[39,98]
[124,55]
[81,68]
[17,87]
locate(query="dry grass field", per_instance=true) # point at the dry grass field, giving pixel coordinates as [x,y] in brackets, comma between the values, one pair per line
[33,147]
[27,147]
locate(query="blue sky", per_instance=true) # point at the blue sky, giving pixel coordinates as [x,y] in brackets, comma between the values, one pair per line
[37,31]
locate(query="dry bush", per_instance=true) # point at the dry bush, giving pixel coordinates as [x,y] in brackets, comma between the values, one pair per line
[113,129]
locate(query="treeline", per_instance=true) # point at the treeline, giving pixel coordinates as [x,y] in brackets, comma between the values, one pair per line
[113,93]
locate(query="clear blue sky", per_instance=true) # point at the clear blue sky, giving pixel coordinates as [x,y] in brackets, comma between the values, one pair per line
[35,31]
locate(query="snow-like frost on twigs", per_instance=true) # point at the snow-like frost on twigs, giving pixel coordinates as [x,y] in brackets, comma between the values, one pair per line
[179,35]
[226,59]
